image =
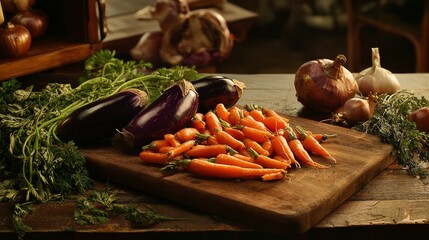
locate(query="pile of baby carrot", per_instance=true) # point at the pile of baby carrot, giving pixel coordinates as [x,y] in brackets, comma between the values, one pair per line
[237,143]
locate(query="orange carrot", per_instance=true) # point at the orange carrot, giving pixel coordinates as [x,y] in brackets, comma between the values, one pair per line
[172,141]
[186,134]
[256,114]
[268,146]
[274,123]
[231,160]
[269,112]
[237,134]
[153,157]
[198,122]
[235,114]
[312,145]
[254,134]
[251,122]
[266,161]
[273,176]
[222,112]
[165,149]
[281,148]
[321,137]
[223,137]
[299,150]
[249,143]
[208,151]
[245,157]
[185,146]
[155,145]
[282,159]
[209,169]
[212,122]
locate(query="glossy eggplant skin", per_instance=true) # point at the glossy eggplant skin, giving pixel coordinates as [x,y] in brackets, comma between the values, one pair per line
[170,112]
[98,121]
[217,89]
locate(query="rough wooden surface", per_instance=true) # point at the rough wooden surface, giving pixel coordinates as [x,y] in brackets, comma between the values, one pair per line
[393,205]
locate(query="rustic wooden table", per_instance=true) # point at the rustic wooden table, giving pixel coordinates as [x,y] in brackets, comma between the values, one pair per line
[393,205]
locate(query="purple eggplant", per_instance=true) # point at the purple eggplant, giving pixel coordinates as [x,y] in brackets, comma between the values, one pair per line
[217,89]
[170,112]
[98,121]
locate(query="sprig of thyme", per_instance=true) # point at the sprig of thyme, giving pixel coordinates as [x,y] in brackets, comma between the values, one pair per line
[101,205]
[390,122]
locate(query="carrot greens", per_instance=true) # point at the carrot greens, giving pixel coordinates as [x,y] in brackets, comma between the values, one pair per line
[35,166]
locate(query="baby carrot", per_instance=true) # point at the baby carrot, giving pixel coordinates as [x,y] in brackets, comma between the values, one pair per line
[312,145]
[207,151]
[222,112]
[249,143]
[321,137]
[255,112]
[249,121]
[209,169]
[172,141]
[269,113]
[300,152]
[155,145]
[223,137]
[186,134]
[281,148]
[246,157]
[212,122]
[153,157]
[232,160]
[274,123]
[185,146]
[235,114]
[268,146]
[237,134]
[266,161]
[197,121]
[257,135]
[282,159]
[165,149]
[273,176]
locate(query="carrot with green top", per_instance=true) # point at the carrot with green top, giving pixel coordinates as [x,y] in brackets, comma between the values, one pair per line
[257,135]
[249,143]
[312,145]
[223,137]
[186,134]
[255,111]
[206,168]
[281,148]
[249,121]
[185,146]
[155,145]
[274,123]
[266,161]
[198,122]
[232,160]
[153,157]
[235,114]
[299,150]
[321,137]
[208,151]
[171,139]
[222,112]
[212,122]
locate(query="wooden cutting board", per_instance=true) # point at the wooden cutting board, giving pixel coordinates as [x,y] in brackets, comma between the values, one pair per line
[280,207]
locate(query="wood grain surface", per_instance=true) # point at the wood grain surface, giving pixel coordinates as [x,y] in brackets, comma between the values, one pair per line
[281,207]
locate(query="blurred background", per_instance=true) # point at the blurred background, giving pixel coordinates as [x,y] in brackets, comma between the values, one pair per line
[277,36]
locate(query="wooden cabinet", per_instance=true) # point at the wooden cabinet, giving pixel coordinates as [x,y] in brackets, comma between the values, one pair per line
[76,29]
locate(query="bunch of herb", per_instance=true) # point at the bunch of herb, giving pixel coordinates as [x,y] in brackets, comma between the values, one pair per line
[390,122]
[41,166]
[99,206]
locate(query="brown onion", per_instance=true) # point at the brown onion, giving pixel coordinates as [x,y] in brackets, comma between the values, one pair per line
[15,40]
[36,21]
[147,48]
[13,6]
[421,118]
[353,111]
[324,85]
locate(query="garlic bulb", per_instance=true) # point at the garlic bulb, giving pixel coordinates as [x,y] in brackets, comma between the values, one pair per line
[375,79]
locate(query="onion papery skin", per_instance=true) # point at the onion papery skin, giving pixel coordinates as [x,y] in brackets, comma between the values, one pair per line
[317,88]
[15,40]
